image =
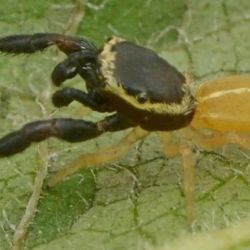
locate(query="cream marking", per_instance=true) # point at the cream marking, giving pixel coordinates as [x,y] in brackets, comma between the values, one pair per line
[185,107]
[221,93]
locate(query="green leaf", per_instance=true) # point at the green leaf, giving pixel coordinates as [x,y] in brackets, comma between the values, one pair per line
[135,202]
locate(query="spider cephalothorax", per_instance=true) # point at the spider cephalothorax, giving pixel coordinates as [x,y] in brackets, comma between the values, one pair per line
[144,87]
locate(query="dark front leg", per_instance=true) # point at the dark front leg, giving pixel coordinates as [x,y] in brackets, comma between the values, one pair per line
[65,96]
[70,130]
[72,65]
[37,42]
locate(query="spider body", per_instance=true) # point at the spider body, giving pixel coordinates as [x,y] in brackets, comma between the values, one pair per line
[132,81]
[142,90]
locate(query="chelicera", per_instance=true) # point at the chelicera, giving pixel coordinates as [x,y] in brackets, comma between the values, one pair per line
[144,92]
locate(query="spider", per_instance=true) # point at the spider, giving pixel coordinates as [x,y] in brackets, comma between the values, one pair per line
[143,92]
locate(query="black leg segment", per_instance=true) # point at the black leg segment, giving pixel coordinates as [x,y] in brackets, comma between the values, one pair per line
[65,129]
[71,130]
[72,65]
[37,42]
[64,70]
[65,96]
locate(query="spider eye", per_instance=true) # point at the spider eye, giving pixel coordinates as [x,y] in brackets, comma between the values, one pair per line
[142,97]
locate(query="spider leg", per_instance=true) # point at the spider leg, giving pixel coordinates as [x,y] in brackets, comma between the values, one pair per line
[188,164]
[218,139]
[100,157]
[27,43]
[71,130]
[65,70]
[81,58]
[208,142]
[65,96]
[173,147]
[170,147]
[81,62]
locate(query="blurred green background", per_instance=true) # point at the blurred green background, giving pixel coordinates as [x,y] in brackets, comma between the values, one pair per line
[137,201]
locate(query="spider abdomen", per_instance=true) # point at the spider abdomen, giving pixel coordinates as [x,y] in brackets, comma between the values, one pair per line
[223,104]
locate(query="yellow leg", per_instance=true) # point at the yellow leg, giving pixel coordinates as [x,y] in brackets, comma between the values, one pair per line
[217,140]
[100,157]
[172,147]
[188,164]
[169,147]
